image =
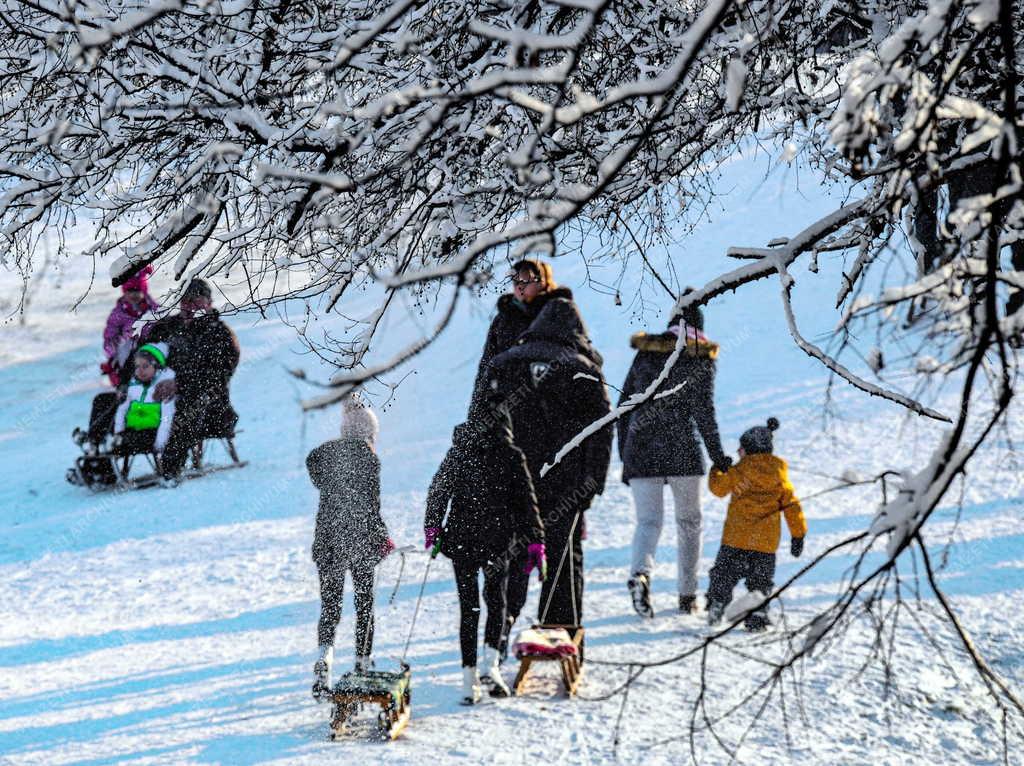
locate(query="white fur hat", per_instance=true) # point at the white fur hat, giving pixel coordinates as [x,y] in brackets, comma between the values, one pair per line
[358,420]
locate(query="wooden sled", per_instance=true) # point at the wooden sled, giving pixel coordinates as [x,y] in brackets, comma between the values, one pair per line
[389,690]
[571,665]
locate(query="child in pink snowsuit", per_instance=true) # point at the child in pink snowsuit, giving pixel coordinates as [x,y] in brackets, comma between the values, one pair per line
[118,336]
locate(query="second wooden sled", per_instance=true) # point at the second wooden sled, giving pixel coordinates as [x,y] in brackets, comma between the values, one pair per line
[376,687]
[571,665]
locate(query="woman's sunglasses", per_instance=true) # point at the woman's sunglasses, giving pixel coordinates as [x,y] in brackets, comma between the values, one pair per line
[524,282]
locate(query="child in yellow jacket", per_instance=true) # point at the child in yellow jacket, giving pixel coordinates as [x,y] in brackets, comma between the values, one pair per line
[761,492]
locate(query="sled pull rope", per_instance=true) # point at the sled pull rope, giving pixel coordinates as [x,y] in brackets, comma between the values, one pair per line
[558,571]
[391,598]
[416,610]
[398,580]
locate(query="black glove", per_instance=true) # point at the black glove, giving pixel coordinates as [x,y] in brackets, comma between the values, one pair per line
[796,546]
[724,463]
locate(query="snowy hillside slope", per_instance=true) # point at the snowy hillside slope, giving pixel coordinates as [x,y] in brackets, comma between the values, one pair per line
[178,626]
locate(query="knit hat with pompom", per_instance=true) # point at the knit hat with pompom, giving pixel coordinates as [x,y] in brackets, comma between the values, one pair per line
[758,440]
[691,316]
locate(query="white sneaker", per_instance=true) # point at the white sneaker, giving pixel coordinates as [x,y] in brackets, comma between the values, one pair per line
[470,686]
[492,673]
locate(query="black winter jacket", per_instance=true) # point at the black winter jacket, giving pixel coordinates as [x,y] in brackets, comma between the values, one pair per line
[658,437]
[513,319]
[552,383]
[484,476]
[349,527]
[203,353]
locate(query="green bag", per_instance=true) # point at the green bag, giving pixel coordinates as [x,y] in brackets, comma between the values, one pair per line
[142,416]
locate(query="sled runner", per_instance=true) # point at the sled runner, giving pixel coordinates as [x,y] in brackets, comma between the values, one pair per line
[107,459]
[105,467]
[389,690]
[551,643]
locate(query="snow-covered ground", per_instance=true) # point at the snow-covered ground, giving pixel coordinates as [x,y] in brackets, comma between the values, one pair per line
[178,626]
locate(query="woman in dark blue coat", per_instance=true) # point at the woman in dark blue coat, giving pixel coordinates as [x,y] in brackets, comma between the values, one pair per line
[658,445]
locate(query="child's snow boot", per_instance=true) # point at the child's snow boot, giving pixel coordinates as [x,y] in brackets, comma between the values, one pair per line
[640,589]
[757,622]
[687,604]
[491,675]
[470,686]
[363,664]
[322,674]
[715,611]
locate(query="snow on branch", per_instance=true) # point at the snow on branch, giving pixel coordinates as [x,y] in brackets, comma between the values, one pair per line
[813,351]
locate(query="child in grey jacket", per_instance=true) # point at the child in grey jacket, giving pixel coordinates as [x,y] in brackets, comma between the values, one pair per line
[350,533]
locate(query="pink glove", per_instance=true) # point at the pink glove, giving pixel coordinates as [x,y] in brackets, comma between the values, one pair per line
[430,535]
[386,548]
[536,557]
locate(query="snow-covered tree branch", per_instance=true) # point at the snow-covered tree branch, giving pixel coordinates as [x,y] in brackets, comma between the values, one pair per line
[307,150]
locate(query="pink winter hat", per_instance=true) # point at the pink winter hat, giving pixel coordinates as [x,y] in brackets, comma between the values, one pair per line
[138,282]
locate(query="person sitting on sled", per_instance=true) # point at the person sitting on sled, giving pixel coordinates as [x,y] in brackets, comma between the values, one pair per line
[141,422]
[204,353]
[350,533]
[493,516]
[760,489]
[119,336]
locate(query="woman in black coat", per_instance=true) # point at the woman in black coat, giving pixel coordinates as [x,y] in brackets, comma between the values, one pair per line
[533,285]
[493,515]
[204,353]
[551,380]
[658,446]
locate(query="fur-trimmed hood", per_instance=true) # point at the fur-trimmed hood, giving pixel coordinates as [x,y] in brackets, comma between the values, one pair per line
[697,344]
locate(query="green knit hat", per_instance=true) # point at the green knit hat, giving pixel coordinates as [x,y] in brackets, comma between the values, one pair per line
[156,350]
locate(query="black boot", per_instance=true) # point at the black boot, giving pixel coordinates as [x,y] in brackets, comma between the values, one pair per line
[715,611]
[640,589]
[688,604]
[757,622]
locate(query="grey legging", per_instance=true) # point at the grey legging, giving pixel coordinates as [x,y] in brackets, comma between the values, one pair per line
[649,498]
